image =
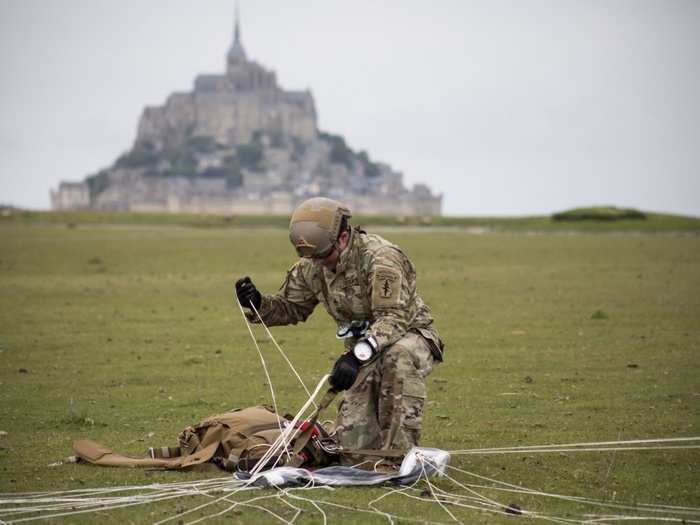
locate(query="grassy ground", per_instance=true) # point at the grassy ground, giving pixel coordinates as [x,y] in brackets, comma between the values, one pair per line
[127,333]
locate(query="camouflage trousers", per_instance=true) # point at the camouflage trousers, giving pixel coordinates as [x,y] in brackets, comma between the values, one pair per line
[384,408]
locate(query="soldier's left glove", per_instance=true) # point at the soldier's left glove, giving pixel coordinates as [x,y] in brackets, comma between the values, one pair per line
[345,371]
[348,365]
[247,293]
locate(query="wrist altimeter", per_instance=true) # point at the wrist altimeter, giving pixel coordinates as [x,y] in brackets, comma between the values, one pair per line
[365,349]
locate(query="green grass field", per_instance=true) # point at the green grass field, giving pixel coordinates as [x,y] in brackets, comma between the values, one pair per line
[126,333]
[654,222]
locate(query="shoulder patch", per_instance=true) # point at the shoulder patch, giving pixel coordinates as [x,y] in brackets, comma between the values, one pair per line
[386,286]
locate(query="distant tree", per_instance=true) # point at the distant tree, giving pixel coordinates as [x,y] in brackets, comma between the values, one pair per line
[277,139]
[142,155]
[202,144]
[232,174]
[340,153]
[97,184]
[599,213]
[183,164]
[370,168]
[234,180]
[250,155]
[298,148]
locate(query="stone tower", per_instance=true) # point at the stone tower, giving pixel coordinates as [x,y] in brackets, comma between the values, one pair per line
[230,108]
[245,76]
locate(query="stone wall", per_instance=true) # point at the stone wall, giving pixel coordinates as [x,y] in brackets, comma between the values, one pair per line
[71,196]
[132,192]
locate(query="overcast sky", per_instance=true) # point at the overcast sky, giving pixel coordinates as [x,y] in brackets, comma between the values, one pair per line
[505,107]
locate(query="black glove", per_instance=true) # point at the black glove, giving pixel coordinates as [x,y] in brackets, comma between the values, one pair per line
[345,371]
[247,293]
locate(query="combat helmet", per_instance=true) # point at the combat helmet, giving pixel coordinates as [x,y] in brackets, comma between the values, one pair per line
[315,226]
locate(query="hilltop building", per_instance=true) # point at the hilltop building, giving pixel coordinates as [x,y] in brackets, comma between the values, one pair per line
[240,144]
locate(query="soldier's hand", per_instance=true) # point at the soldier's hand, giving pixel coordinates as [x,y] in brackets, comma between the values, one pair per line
[247,293]
[345,371]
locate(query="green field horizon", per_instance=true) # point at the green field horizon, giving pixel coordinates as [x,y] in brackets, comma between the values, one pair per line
[653,222]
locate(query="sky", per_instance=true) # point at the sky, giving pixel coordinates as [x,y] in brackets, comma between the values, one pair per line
[504,107]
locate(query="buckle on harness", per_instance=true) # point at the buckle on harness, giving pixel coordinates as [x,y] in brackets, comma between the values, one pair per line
[355,329]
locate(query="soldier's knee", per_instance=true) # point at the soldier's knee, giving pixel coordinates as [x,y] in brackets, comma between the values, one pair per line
[392,354]
[398,357]
[411,351]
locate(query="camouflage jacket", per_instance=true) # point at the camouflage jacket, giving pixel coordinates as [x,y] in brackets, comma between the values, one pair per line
[373,281]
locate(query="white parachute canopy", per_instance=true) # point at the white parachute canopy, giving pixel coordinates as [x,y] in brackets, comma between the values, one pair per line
[418,462]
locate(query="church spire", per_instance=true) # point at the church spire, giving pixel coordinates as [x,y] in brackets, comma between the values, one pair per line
[236,55]
[236,26]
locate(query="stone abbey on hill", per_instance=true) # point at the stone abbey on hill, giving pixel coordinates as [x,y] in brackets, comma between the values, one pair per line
[240,144]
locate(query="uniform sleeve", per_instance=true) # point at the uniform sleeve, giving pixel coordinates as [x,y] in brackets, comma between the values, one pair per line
[293,303]
[392,282]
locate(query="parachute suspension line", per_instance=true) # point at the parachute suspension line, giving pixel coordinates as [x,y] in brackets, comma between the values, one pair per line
[637,444]
[552,450]
[279,349]
[479,498]
[502,486]
[75,503]
[289,432]
[214,501]
[299,510]
[432,490]
[244,503]
[309,486]
[390,492]
[81,501]
[264,365]
[454,500]
[509,487]
[107,490]
[484,503]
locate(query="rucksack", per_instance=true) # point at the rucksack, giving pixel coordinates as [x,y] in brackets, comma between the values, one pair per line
[234,440]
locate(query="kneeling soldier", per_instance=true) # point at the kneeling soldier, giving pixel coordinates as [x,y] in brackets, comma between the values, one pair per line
[368,286]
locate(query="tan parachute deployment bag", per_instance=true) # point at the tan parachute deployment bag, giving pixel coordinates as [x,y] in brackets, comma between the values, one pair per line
[234,440]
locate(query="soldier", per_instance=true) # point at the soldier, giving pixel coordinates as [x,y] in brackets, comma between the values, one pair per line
[368,286]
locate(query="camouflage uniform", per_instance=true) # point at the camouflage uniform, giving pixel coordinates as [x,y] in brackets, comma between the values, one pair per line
[373,281]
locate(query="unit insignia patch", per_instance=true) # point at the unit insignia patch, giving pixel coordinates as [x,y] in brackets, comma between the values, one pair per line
[386,287]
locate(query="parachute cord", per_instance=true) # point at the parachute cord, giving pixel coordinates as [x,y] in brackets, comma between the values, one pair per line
[289,432]
[633,444]
[34,506]
[501,486]
[267,374]
[279,349]
[432,490]
[551,450]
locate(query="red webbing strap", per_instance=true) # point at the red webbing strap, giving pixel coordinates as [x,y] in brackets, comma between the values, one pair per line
[303,438]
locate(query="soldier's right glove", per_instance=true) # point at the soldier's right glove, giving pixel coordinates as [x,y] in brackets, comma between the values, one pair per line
[345,371]
[247,293]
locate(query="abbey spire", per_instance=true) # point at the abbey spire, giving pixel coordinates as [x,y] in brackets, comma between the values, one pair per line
[236,54]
